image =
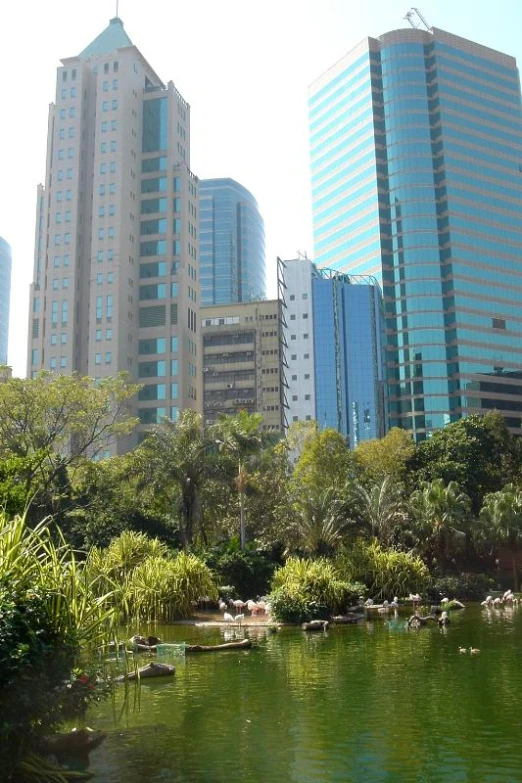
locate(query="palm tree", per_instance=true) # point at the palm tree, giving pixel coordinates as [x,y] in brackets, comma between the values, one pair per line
[440,512]
[322,521]
[176,453]
[381,508]
[502,512]
[240,436]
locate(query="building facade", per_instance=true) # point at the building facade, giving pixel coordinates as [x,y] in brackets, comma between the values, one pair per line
[232,243]
[350,385]
[116,278]
[298,344]
[5,297]
[242,361]
[416,144]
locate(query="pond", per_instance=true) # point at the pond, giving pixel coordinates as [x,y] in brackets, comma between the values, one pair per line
[367,703]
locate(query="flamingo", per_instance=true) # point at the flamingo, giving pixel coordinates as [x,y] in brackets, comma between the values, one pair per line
[488,601]
[395,603]
[228,618]
[239,619]
[222,605]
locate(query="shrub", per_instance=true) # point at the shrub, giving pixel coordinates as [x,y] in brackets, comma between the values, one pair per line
[385,572]
[249,571]
[309,589]
[471,587]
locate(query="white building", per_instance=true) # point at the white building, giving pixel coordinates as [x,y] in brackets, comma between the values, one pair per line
[299,340]
[116,282]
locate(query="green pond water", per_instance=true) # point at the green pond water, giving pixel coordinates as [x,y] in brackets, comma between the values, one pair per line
[368,703]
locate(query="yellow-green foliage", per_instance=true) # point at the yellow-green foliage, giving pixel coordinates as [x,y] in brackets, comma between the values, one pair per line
[148,581]
[386,572]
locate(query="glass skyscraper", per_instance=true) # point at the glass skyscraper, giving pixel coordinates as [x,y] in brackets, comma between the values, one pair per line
[348,330]
[416,144]
[232,243]
[5,296]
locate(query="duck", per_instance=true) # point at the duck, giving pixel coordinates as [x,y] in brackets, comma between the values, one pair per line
[463,649]
[474,650]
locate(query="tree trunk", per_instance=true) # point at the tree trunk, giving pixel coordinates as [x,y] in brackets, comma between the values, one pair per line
[242,531]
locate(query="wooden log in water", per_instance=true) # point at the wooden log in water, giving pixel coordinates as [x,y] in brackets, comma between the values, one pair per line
[151,670]
[345,619]
[244,644]
[315,625]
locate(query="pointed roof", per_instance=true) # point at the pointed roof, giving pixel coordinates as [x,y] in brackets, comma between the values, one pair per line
[112,38]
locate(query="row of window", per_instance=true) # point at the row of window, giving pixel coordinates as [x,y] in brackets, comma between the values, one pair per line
[109,278]
[60,194]
[293,316]
[61,133]
[99,307]
[294,336]
[98,358]
[67,216]
[303,296]
[157,345]
[102,190]
[72,92]
[157,369]
[106,146]
[114,104]
[105,85]
[112,167]
[105,125]
[70,153]
[306,377]
[72,113]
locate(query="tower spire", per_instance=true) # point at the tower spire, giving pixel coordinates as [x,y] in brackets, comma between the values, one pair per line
[117,8]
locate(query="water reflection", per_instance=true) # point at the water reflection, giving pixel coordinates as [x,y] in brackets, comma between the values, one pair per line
[367,702]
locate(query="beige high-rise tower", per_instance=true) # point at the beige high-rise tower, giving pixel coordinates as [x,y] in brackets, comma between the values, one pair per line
[116,280]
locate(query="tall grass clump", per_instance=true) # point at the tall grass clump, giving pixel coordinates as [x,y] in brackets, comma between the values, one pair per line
[52,618]
[385,572]
[305,589]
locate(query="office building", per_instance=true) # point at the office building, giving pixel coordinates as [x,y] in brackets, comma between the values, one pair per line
[116,279]
[232,244]
[242,361]
[295,293]
[5,296]
[348,331]
[416,143]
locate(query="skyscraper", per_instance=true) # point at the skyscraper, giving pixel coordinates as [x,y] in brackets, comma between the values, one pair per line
[232,243]
[5,295]
[116,279]
[416,141]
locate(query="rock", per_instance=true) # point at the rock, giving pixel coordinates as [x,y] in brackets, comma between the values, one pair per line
[78,742]
[315,625]
[151,670]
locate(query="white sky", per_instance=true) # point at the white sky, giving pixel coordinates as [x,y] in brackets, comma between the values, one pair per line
[244,67]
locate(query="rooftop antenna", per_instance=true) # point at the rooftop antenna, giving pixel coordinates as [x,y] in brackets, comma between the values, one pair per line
[417,19]
[117,8]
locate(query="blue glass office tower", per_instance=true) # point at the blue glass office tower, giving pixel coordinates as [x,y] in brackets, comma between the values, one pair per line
[231,242]
[5,295]
[416,143]
[348,326]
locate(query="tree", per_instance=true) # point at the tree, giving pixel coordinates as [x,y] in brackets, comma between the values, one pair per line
[325,462]
[388,456]
[322,521]
[502,513]
[239,436]
[53,421]
[477,452]
[381,508]
[441,514]
[172,464]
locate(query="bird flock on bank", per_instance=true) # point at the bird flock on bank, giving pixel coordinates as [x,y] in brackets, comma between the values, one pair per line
[255,608]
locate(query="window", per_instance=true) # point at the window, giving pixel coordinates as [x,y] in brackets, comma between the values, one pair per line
[305,296]
[106,68]
[60,174]
[307,396]
[114,84]
[112,188]
[174,391]
[177,184]
[66,259]
[306,356]
[103,168]
[105,86]
[72,112]
[307,376]
[54,314]
[73,91]
[292,317]
[62,114]
[114,124]
[305,336]
[173,366]
[57,239]
[70,152]
[71,133]
[99,306]
[58,217]
[65,312]
[105,106]
[68,195]
[59,195]
[108,334]
[294,377]
[54,339]
[292,297]
[109,306]
[305,315]
[294,398]
[63,361]
[112,166]
[104,126]
[110,277]
[294,357]
[101,211]
[61,133]
[55,286]
[108,357]
[64,92]
[293,337]
[114,103]
[113,146]
[53,363]
[99,278]
[68,216]
[112,209]
[99,255]
[97,358]
[98,335]
[104,146]
[115,66]
[101,233]
[111,231]
[101,190]
[56,261]
[69,173]
[61,154]
[174,344]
